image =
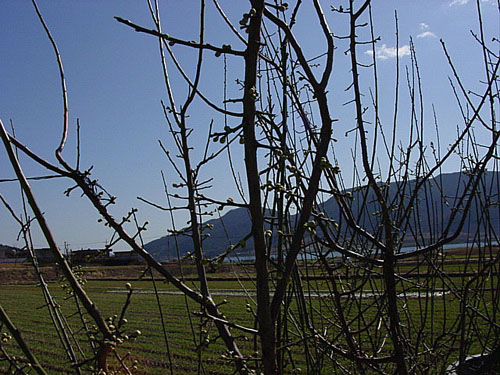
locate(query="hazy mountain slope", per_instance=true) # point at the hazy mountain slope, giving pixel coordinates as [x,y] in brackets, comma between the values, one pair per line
[235,224]
[432,210]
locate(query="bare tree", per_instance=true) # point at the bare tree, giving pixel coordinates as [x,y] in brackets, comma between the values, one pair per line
[377,307]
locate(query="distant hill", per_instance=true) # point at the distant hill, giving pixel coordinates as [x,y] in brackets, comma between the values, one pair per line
[432,207]
[236,223]
[429,212]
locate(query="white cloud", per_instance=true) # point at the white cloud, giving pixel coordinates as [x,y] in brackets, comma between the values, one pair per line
[426,34]
[423,26]
[383,52]
[458,2]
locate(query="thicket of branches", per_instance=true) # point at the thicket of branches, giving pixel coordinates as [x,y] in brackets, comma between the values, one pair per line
[376,316]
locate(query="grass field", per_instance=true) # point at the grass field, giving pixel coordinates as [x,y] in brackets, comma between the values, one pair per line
[25,305]
[189,338]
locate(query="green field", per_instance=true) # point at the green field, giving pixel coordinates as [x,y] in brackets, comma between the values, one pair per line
[188,346]
[25,305]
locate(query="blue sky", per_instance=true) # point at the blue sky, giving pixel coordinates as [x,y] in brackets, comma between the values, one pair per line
[115,86]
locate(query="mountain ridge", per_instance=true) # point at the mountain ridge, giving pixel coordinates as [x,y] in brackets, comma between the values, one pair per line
[429,213]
